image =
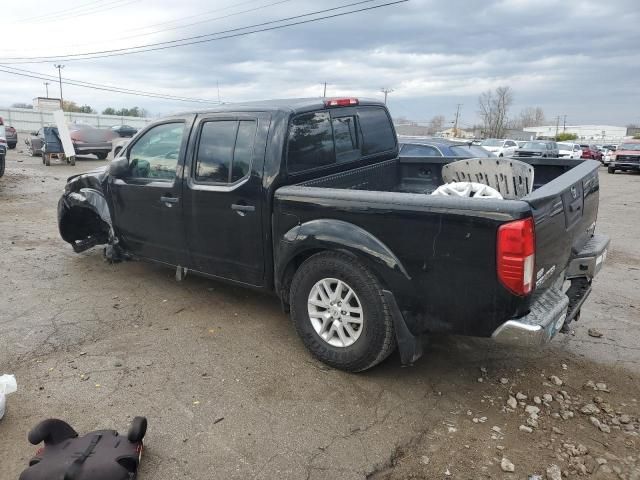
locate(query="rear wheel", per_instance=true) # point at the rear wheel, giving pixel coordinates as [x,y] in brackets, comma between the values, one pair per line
[2,164]
[611,170]
[340,313]
[101,155]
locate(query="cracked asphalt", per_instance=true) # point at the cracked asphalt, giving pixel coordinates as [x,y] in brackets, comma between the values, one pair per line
[230,392]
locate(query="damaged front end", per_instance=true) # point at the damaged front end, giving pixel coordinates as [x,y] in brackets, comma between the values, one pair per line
[84,219]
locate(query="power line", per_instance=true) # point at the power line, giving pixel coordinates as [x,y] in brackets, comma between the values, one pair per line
[169,42]
[178,27]
[60,11]
[202,38]
[108,88]
[91,11]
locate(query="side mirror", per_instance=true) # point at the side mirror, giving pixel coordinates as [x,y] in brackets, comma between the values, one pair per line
[119,167]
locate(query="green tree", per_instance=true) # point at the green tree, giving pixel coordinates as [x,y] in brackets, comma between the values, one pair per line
[561,137]
[126,112]
[71,106]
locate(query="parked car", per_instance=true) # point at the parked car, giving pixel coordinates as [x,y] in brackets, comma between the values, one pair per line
[500,148]
[88,140]
[45,142]
[11,135]
[591,151]
[569,150]
[607,152]
[124,130]
[308,199]
[538,148]
[626,157]
[439,147]
[118,144]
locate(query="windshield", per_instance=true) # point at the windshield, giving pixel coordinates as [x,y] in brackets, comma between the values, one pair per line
[534,145]
[470,151]
[491,142]
[630,146]
[565,146]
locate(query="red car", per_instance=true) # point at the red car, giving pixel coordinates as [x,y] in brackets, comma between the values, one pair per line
[590,151]
[626,157]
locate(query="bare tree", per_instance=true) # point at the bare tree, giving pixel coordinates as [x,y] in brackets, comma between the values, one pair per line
[531,117]
[494,107]
[436,124]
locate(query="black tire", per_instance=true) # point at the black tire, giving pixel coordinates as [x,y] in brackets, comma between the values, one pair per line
[137,430]
[46,159]
[11,146]
[102,155]
[3,161]
[611,170]
[376,341]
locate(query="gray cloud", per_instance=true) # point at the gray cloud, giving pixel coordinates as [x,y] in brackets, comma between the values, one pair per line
[573,57]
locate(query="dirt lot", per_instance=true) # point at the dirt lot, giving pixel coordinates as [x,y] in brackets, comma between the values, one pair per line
[230,392]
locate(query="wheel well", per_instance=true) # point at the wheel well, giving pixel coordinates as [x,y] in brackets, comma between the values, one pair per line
[290,271]
[79,223]
[297,261]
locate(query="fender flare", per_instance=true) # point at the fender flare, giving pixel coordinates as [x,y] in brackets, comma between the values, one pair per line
[330,234]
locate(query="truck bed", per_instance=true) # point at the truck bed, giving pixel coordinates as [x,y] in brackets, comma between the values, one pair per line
[445,247]
[423,175]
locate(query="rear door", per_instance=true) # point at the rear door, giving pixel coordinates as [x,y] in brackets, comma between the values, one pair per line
[223,196]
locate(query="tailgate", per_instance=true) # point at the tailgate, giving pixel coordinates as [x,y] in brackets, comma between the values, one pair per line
[565,212]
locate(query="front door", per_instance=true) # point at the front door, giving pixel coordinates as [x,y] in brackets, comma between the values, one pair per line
[147,202]
[223,206]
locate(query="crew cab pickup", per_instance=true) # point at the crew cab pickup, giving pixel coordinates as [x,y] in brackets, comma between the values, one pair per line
[310,200]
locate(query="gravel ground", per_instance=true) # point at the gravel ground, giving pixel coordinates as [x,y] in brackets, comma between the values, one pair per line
[230,392]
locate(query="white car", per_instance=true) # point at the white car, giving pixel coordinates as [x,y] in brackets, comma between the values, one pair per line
[500,148]
[569,150]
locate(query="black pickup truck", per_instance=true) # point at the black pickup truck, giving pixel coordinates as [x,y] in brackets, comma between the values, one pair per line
[309,199]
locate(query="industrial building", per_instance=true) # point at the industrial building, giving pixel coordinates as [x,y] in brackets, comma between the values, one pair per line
[597,133]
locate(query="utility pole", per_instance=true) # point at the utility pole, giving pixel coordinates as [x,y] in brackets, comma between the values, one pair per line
[324,93]
[557,125]
[46,86]
[564,125]
[455,123]
[60,67]
[386,92]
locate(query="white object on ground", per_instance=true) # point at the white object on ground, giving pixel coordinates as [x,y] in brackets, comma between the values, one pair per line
[468,189]
[7,385]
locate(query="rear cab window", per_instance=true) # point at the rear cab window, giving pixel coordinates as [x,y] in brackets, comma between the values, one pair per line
[225,151]
[342,135]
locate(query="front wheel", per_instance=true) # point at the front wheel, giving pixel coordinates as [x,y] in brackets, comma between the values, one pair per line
[611,170]
[340,313]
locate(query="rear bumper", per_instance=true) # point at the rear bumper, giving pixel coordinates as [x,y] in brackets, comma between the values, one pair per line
[554,307]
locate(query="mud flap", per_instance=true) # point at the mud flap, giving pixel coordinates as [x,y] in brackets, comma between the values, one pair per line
[409,345]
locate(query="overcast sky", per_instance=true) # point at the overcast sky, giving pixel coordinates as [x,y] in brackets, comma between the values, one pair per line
[579,58]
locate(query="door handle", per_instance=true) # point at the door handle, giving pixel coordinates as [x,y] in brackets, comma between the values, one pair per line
[169,200]
[243,208]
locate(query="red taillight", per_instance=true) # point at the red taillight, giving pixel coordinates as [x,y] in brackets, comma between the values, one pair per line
[516,255]
[340,102]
